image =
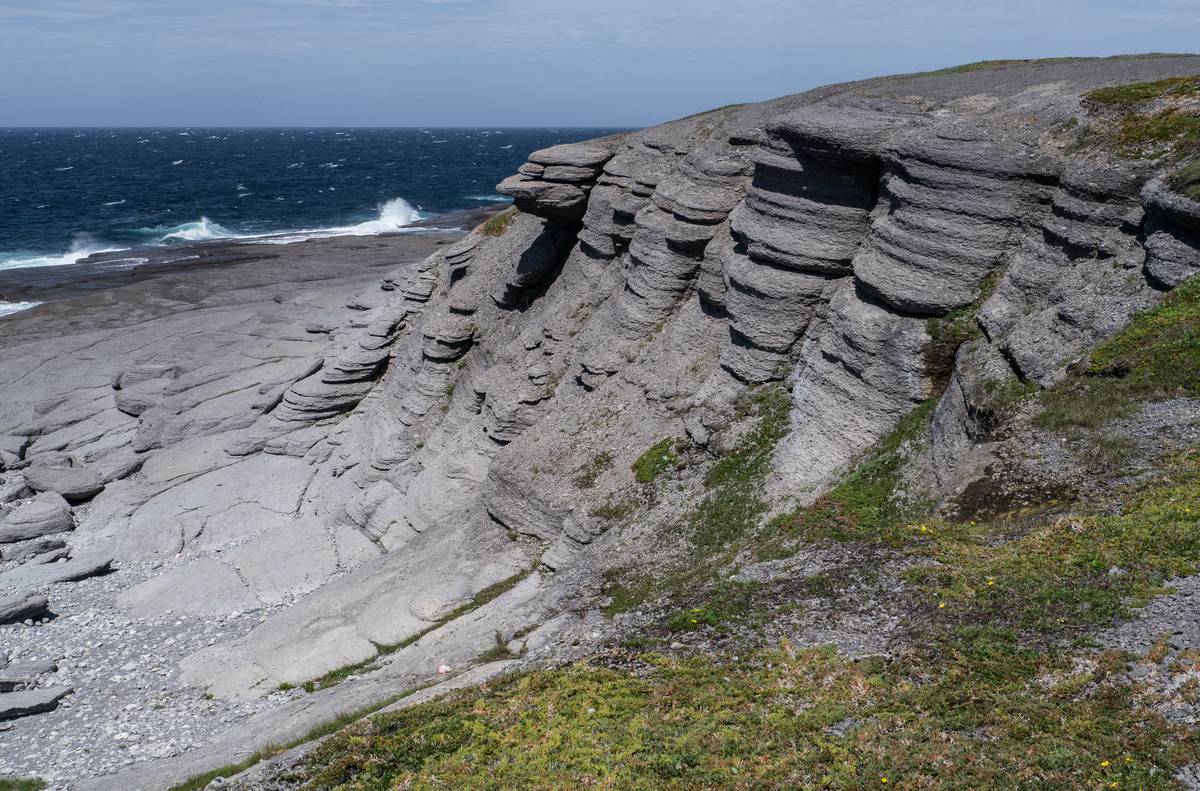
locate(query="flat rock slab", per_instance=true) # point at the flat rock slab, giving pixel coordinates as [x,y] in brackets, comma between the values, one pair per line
[33,575]
[20,607]
[45,514]
[31,549]
[30,701]
[22,675]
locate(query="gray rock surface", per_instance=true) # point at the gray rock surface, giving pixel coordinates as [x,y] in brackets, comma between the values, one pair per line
[31,701]
[20,607]
[75,484]
[44,515]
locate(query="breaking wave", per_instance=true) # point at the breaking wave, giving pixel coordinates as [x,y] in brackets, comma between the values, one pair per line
[394,215]
[81,248]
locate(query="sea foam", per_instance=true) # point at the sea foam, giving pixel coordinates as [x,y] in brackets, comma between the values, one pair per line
[9,308]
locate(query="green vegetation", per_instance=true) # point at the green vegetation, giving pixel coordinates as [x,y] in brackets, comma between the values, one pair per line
[21,784]
[614,509]
[658,458]
[1186,180]
[1070,573]
[987,715]
[587,475]
[1134,94]
[1156,119]
[863,506]
[728,601]
[1156,356]
[498,223]
[484,596]
[735,502]
[947,333]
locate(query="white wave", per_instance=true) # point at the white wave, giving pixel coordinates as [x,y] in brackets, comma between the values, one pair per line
[490,198]
[81,248]
[9,308]
[177,162]
[63,170]
[205,230]
[114,202]
[394,217]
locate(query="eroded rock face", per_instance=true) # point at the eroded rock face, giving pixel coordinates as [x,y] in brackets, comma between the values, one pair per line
[461,446]
[645,281]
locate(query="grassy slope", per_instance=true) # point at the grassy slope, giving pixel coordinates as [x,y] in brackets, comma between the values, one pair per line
[1002,693]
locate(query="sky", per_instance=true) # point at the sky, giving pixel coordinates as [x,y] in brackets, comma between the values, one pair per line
[511,62]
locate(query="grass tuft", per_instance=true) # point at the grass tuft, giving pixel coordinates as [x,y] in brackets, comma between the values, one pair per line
[1186,180]
[498,223]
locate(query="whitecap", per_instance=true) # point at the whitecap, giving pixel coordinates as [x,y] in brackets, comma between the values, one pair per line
[114,202]
[63,170]
[9,308]
[490,198]
[177,162]
[506,147]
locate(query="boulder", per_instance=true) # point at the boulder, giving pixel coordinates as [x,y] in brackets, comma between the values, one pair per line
[44,515]
[76,484]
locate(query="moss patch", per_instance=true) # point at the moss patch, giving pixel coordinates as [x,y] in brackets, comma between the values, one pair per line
[1134,94]
[1153,120]
[586,477]
[658,458]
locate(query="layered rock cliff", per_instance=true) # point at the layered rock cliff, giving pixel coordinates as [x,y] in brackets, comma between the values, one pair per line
[463,469]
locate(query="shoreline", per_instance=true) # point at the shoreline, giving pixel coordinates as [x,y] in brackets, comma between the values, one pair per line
[103,271]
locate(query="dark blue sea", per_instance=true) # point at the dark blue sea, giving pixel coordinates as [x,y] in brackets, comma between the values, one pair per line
[66,193]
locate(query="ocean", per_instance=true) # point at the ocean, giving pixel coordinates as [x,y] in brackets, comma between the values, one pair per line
[68,193]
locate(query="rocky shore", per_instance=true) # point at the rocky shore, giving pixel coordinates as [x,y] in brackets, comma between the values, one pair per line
[242,320]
